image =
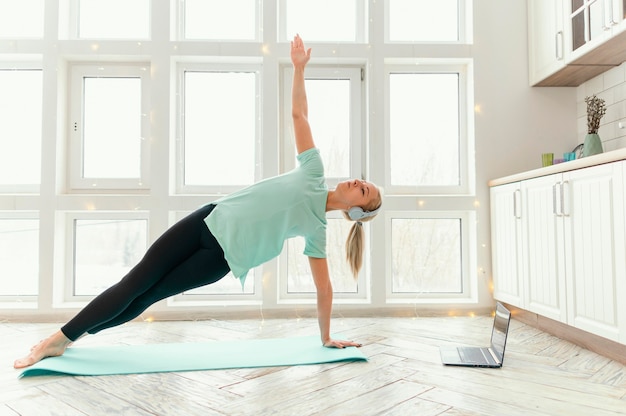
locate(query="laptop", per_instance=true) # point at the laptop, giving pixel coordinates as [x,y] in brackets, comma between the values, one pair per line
[492,356]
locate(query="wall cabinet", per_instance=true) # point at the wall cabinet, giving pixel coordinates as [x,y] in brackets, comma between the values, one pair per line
[558,247]
[546,40]
[572,41]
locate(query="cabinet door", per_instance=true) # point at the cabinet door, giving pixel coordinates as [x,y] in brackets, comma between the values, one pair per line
[594,248]
[506,243]
[590,23]
[617,16]
[545,38]
[542,233]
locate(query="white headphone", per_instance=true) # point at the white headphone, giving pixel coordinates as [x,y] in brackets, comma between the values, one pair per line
[357,213]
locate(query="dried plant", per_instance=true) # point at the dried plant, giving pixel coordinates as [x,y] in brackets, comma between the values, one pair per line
[595,111]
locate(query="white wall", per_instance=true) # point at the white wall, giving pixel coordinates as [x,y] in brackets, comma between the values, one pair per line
[514,123]
[610,86]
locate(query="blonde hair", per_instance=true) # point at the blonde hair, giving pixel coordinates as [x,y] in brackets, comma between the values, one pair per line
[354,242]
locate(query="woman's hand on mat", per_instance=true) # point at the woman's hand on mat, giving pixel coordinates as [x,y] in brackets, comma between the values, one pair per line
[335,343]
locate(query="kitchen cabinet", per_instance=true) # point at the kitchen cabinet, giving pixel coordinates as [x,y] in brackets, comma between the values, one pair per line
[558,247]
[593,216]
[572,41]
[542,230]
[546,40]
[506,234]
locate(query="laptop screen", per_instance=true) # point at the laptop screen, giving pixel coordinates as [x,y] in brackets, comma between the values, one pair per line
[500,330]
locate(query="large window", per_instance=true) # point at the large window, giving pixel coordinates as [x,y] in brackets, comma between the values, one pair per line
[335,113]
[220,20]
[21,19]
[109,127]
[112,19]
[427,252]
[323,20]
[428,129]
[104,247]
[19,258]
[219,129]
[20,129]
[117,117]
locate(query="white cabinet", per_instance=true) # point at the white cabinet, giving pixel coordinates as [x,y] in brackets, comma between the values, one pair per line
[572,41]
[542,247]
[594,249]
[506,234]
[559,244]
[545,38]
[592,22]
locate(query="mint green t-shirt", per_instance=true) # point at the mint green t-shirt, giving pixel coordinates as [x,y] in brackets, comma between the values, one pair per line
[252,224]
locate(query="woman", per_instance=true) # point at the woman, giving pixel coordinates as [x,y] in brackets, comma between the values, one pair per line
[237,233]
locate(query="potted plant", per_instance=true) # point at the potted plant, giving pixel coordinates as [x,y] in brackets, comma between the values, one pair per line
[596,109]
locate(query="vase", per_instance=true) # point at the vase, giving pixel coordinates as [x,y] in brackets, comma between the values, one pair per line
[593,145]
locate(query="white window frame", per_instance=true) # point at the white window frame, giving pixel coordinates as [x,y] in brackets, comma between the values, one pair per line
[361,296]
[24,65]
[357,117]
[468,259]
[361,35]
[177,23]
[69,25]
[462,67]
[243,299]
[251,66]
[21,302]
[66,236]
[357,168]
[79,71]
[465,21]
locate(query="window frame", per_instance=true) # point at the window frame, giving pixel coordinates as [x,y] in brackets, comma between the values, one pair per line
[361,296]
[465,20]
[250,66]
[64,289]
[353,73]
[177,22]
[214,299]
[78,72]
[17,301]
[468,259]
[26,65]
[69,22]
[361,23]
[462,67]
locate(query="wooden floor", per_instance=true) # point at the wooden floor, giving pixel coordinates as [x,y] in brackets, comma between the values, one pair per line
[542,375]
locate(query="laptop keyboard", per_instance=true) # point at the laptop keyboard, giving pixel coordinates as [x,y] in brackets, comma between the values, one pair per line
[473,355]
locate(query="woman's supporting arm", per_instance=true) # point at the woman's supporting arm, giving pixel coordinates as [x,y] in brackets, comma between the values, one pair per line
[299,106]
[321,277]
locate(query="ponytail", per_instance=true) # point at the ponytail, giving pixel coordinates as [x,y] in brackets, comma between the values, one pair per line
[354,248]
[354,242]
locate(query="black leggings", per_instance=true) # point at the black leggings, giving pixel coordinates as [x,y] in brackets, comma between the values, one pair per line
[186,256]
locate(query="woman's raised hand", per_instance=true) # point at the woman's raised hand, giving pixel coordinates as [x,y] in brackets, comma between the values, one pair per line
[299,55]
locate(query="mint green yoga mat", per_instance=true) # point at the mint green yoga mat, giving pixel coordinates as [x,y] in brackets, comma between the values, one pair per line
[155,358]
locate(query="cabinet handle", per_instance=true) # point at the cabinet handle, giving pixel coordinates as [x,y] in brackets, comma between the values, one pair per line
[555,211]
[516,212]
[558,47]
[564,186]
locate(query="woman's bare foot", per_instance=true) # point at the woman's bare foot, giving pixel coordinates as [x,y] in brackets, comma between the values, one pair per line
[52,346]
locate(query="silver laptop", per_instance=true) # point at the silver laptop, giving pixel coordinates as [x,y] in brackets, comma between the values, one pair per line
[492,356]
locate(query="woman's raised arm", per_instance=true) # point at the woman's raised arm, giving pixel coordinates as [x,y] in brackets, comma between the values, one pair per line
[299,106]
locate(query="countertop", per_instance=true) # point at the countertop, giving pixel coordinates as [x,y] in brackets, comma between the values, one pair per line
[584,162]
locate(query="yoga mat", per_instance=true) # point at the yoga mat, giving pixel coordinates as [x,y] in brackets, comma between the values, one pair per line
[155,358]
